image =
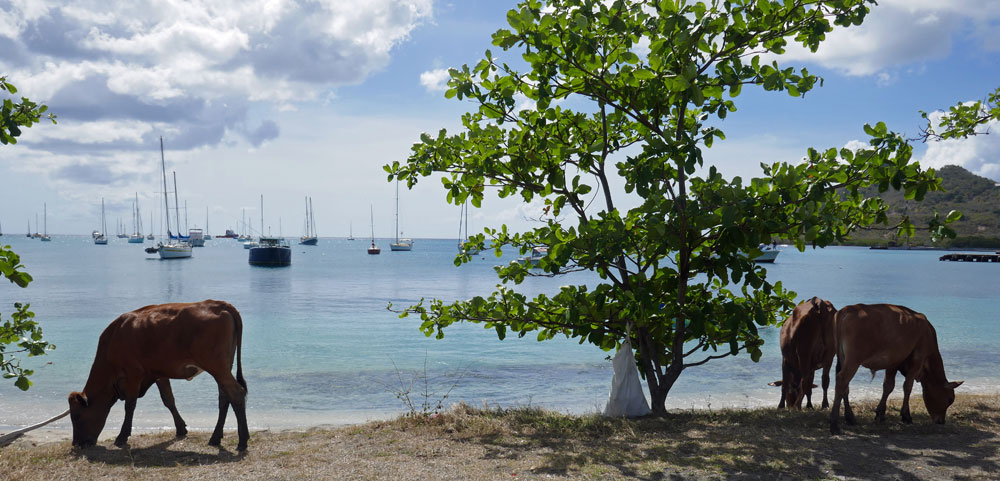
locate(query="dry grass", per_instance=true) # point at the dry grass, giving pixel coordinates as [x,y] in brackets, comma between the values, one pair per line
[527,443]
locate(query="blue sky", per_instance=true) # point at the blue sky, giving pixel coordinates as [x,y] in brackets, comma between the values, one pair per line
[286,98]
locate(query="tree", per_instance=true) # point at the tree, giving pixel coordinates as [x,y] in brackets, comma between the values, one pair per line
[21,330]
[674,247]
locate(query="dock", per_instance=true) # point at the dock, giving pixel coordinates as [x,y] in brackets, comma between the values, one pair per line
[966,257]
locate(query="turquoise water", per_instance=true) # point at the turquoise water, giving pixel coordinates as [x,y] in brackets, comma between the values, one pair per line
[319,346]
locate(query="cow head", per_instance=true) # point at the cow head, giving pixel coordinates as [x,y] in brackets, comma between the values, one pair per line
[937,399]
[88,419]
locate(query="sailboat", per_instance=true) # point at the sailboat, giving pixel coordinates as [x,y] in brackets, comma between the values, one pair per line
[207,235]
[269,251]
[244,237]
[121,230]
[463,237]
[29,228]
[374,249]
[350,235]
[101,239]
[309,238]
[402,243]
[136,237]
[150,236]
[173,248]
[45,216]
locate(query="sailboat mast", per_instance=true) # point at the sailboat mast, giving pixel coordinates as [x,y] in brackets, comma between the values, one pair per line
[312,217]
[45,218]
[397,212]
[166,203]
[177,207]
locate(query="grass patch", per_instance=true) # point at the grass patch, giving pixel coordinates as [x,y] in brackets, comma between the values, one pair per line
[531,443]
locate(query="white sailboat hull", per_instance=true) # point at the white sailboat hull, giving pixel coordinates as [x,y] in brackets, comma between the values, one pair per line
[175,251]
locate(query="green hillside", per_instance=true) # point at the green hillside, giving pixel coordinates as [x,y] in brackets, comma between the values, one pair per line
[978,198]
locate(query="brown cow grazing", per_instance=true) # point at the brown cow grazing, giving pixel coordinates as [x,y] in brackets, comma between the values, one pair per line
[154,344]
[807,344]
[894,338]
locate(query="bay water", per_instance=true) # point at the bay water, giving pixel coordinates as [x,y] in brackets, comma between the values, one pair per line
[320,347]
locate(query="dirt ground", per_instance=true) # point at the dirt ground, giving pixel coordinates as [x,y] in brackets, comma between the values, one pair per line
[527,443]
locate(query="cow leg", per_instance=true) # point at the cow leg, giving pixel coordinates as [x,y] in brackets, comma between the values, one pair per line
[232,394]
[167,396]
[786,378]
[238,399]
[807,387]
[216,438]
[904,412]
[845,373]
[126,431]
[887,386]
[826,385]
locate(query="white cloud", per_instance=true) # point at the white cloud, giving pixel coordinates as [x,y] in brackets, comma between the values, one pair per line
[435,80]
[120,72]
[96,132]
[855,145]
[903,32]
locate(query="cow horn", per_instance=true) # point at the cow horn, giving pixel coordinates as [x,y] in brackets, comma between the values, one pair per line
[955,384]
[11,436]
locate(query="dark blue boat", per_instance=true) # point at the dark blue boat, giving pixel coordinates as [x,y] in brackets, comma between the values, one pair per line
[271,252]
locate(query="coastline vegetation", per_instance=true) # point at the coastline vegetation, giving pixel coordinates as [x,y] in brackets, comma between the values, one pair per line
[976,197]
[530,443]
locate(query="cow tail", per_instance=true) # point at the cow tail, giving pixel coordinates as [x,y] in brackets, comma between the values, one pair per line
[238,334]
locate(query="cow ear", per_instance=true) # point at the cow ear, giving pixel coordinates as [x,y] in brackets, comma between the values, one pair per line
[775,383]
[81,399]
[955,384]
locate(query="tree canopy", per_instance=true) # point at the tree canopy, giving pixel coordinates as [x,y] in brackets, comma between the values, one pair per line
[631,93]
[21,330]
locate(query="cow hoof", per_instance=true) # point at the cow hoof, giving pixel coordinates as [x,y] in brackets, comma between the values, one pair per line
[182,433]
[215,442]
[242,447]
[834,429]
[121,443]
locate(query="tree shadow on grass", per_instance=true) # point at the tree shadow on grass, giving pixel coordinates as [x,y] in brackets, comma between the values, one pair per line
[166,453]
[760,444]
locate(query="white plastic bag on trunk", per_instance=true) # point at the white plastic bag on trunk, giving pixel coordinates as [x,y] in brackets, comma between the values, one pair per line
[626,398]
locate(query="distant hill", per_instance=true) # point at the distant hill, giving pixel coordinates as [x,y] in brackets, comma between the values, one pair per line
[978,198]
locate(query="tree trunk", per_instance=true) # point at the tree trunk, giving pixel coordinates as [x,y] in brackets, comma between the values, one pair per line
[657,381]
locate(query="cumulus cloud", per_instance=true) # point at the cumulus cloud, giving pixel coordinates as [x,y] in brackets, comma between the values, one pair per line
[435,80]
[904,32]
[120,72]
